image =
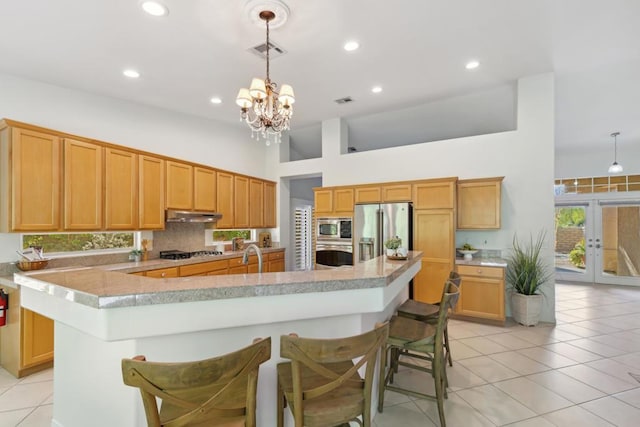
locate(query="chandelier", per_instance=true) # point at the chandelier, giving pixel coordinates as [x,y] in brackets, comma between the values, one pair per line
[615,166]
[264,109]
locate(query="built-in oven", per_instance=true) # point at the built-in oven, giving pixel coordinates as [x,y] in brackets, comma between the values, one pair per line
[334,253]
[333,228]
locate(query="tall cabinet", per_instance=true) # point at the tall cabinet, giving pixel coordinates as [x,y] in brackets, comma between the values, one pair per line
[434,235]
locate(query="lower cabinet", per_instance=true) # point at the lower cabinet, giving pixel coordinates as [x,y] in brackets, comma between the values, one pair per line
[275,261]
[27,340]
[205,268]
[162,273]
[481,292]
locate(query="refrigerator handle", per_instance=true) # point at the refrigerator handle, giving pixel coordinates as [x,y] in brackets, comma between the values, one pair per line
[379,231]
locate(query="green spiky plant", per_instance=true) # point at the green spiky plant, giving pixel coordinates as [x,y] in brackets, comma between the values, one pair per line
[526,271]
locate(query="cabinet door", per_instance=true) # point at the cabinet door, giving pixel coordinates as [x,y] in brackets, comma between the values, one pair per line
[343,200]
[481,297]
[35,180]
[179,185]
[256,203]
[270,220]
[434,236]
[396,193]
[436,194]
[276,266]
[82,185]
[323,201]
[241,202]
[37,338]
[151,192]
[121,190]
[204,189]
[479,203]
[224,198]
[367,194]
[239,269]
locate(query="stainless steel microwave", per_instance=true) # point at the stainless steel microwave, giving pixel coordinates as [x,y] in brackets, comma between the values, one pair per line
[333,228]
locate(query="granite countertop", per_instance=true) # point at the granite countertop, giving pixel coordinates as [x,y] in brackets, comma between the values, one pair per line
[485,262]
[107,286]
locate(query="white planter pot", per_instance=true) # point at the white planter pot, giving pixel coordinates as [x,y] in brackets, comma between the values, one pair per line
[526,309]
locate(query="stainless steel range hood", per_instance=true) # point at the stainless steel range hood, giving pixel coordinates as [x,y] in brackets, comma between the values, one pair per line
[188,216]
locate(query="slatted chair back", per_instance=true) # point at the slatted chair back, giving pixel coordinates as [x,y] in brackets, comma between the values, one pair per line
[217,391]
[327,370]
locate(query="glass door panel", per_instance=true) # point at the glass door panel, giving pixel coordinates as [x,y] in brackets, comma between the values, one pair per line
[619,243]
[574,249]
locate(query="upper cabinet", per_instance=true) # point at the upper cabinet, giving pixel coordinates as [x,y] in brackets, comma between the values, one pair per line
[121,189]
[323,201]
[224,198]
[367,194]
[256,203]
[204,189]
[334,201]
[270,218]
[435,194]
[343,201]
[479,203]
[179,185]
[396,193]
[241,201]
[82,185]
[151,192]
[30,179]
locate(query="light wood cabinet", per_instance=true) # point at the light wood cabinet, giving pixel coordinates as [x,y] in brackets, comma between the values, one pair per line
[367,194]
[151,193]
[163,273]
[27,339]
[120,190]
[275,262]
[481,292]
[435,194]
[343,198]
[256,203]
[479,203]
[179,185]
[434,236]
[204,189]
[323,201]
[396,193]
[82,185]
[30,180]
[224,198]
[270,217]
[240,201]
[204,268]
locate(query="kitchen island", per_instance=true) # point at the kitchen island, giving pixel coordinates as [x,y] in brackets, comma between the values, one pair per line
[102,316]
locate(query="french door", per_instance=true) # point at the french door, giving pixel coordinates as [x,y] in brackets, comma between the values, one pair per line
[598,239]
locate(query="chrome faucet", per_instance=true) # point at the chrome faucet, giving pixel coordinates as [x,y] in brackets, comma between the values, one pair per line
[245,256]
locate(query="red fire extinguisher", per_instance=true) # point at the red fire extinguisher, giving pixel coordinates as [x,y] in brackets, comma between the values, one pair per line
[4,305]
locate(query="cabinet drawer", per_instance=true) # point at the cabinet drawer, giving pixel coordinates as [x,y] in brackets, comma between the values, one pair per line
[276,255]
[163,272]
[234,262]
[480,271]
[202,268]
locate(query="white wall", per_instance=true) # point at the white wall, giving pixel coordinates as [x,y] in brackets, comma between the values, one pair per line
[580,163]
[208,142]
[525,157]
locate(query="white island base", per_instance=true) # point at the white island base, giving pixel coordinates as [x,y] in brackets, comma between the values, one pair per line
[90,342]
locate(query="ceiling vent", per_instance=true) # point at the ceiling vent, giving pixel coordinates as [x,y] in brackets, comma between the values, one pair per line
[344,100]
[261,50]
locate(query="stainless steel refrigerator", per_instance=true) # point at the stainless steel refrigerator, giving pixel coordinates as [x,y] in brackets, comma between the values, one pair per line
[374,224]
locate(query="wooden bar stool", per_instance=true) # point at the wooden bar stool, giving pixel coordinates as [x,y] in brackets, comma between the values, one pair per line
[220,391]
[429,313]
[409,338]
[322,384]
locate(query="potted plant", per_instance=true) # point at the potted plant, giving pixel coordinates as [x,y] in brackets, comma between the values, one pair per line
[526,274]
[135,255]
[392,245]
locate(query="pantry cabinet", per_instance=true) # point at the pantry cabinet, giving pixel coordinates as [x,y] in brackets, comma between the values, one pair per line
[151,192]
[30,180]
[179,185]
[120,189]
[479,203]
[204,189]
[481,292]
[83,176]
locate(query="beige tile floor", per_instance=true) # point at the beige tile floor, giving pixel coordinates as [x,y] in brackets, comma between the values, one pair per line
[574,373]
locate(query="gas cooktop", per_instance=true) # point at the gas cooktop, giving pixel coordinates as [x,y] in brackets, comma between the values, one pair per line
[174,254]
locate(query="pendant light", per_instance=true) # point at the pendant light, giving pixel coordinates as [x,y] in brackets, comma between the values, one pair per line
[615,166]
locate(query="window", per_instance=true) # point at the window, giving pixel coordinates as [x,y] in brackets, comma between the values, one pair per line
[79,242]
[227,235]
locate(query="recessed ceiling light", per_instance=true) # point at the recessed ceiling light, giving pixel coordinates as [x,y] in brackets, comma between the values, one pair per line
[132,74]
[351,46]
[471,65]
[155,8]
[376,89]
[216,100]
